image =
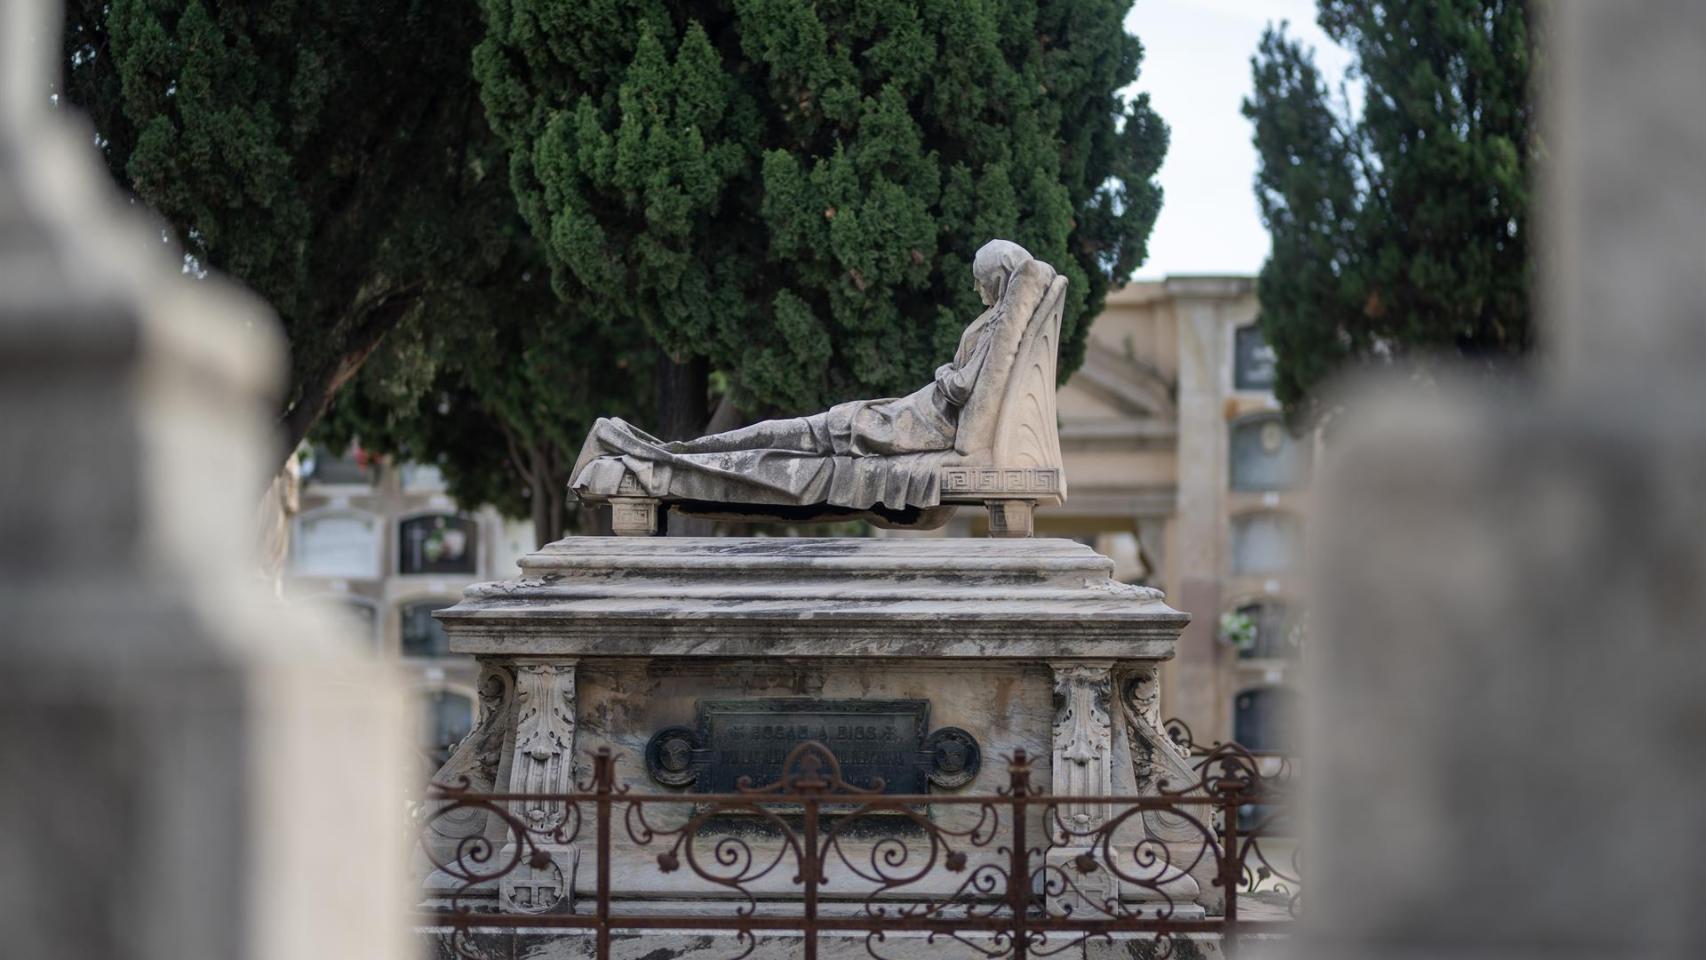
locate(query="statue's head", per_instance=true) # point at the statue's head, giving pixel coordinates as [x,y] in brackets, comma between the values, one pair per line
[994,266]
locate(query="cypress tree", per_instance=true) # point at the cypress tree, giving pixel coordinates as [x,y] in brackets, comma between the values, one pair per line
[1401,233]
[330,154]
[789,195]
[335,157]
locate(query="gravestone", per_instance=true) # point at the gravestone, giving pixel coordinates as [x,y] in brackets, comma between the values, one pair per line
[1505,709]
[191,772]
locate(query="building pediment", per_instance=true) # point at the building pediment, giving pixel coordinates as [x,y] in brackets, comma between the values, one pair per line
[1125,385]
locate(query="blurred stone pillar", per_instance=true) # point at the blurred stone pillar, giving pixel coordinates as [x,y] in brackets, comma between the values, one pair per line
[1196,693]
[1508,690]
[187,770]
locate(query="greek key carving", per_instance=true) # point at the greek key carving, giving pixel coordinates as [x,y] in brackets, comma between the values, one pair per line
[975,481]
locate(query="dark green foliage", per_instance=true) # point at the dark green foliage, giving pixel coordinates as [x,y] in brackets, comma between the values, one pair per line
[793,191]
[335,157]
[1402,233]
[790,192]
[514,385]
[330,154]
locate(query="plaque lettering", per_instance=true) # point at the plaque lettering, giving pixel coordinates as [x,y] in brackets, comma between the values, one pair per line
[738,743]
[876,741]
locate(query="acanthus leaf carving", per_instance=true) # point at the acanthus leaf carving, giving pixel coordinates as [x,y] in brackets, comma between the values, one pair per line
[1082,737]
[543,757]
[545,727]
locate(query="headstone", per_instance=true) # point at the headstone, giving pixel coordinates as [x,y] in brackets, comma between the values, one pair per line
[190,771]
[1506,706]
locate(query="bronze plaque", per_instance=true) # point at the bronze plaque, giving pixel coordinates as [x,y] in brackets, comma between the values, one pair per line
[874,740]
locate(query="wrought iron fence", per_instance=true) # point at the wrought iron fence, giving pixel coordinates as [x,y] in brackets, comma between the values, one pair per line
[1019,873]
[1275,767]
[1180,733]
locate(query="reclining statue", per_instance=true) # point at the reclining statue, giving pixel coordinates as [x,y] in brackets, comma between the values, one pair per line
[983,431]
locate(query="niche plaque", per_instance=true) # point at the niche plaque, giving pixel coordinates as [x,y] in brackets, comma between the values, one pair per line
[886,740]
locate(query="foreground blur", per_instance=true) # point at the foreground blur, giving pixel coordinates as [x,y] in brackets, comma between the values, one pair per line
[190,771]
[1507,702]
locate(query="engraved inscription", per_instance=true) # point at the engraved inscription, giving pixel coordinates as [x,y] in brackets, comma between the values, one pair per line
[874,740]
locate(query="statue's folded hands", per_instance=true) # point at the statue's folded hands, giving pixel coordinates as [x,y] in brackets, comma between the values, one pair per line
[884,459]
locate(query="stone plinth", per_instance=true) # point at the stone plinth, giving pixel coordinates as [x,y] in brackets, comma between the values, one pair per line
[842,598]
[603,642]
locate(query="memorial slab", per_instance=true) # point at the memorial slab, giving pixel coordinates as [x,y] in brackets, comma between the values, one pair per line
[1042,599]
[699,662]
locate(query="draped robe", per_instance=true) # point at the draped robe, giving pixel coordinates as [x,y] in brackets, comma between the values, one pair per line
[855,455]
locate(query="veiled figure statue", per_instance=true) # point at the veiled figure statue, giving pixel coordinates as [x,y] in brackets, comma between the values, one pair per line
[982,431]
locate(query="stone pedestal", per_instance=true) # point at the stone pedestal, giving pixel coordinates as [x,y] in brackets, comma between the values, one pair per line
[994,646]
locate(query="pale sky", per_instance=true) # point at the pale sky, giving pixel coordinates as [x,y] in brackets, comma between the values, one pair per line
[1196,70]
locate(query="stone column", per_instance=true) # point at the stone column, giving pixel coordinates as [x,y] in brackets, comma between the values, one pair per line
[1505,709]
[191,771]
[1197,558]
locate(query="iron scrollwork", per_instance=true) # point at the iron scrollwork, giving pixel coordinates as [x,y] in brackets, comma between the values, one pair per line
[810,854]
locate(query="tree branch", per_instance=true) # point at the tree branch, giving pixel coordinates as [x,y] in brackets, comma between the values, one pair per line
[515,456]
[322,386]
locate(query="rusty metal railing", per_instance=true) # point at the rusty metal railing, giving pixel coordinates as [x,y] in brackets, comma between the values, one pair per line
[1016,874]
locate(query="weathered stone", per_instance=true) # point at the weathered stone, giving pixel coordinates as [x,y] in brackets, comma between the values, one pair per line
[191,771]
[1015,643]
[983,431]
[1507,659]
[633,516]
[1011,518]
[787,597]
[720,945]
[1148,947]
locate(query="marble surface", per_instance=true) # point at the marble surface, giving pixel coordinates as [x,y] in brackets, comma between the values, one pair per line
[809,597]
[983,429]
[602,642]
